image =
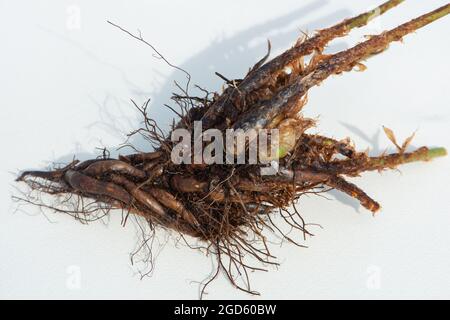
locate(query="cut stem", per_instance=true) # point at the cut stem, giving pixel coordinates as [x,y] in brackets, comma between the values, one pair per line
[355,166]
[366,17]
[317,42]
[345,60]
[393,160]
[285,100]
[267,72]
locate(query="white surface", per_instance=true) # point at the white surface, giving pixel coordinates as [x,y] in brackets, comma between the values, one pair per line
[65,90]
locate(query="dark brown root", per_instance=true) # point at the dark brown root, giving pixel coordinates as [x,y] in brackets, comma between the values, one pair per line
[99,168]
[90,186]
[355,192]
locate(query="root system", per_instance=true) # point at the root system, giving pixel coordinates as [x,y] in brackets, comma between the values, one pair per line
[229,208]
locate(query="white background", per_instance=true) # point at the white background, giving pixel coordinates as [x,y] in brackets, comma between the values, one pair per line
[66,77]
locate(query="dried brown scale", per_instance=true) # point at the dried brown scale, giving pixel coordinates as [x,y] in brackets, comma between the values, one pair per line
[230,207]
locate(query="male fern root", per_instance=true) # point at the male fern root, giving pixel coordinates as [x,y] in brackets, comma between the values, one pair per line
[230,207]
